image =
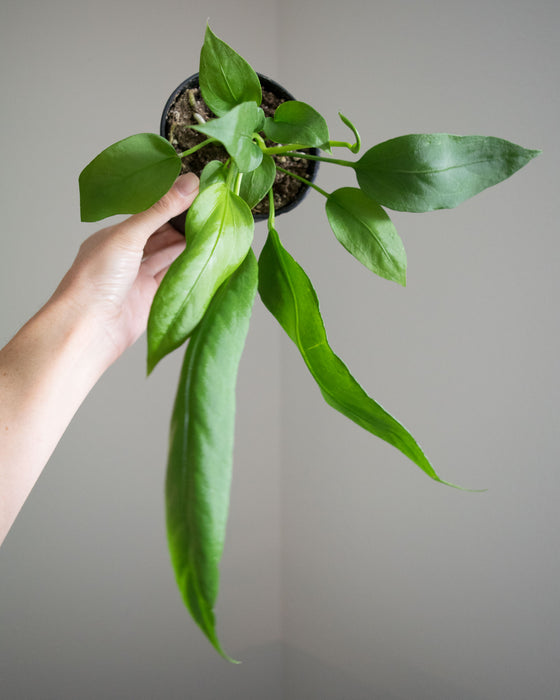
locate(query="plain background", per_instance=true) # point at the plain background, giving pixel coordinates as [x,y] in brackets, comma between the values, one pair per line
[348,574]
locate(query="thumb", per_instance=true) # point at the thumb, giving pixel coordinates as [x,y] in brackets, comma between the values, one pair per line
[139,227]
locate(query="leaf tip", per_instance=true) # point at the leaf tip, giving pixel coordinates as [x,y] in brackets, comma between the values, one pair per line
[460,488]
[151,363]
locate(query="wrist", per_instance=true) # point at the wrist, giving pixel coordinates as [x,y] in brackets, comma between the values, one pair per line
[79,338]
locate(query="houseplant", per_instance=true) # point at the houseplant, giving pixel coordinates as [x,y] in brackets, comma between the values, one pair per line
[208,293]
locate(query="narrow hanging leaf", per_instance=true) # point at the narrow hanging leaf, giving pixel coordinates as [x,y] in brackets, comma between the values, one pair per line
[423,172]
[226,79]
[235,131]
[298,123]
[128,177]
[219,232]
[201,446]
[256,184]
[366,232]
[287,293]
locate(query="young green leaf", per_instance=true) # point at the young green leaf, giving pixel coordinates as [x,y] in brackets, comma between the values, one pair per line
[354,147]
[201,446]
[219,231]
[213,172]
[235,131]
[288,294]
[297,123]
[366,232]
[423,172]
[226,79]
[128,177]
[256,184]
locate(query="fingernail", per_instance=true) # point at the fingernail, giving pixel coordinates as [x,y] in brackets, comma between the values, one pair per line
[186,184]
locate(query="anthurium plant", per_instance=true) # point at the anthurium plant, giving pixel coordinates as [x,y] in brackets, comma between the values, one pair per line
[208,293]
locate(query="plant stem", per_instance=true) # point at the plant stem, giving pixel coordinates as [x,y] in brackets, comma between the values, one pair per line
[323,159]
[270,209]
[261,142]
[275,150]
[340,144]
[305,182]
[196,148]
[238,183]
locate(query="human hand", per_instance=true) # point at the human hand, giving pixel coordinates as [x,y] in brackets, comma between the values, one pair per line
[118,269]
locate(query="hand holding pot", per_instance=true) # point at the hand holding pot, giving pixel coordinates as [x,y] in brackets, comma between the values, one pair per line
[118,270]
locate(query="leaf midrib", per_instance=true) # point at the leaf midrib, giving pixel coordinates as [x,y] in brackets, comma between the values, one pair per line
[432,171]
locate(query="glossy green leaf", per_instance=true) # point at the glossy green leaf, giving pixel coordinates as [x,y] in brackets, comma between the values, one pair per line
[235,131]
[219,230]
[213,172]
[226,79]
[423,172]
[298,123]
[256,184]
[288,294]
[128,177]
[366,231]
[201,446]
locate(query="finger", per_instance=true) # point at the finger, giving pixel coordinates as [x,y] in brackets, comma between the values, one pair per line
[160,275]
[161,259]
[139,227]
[166,236]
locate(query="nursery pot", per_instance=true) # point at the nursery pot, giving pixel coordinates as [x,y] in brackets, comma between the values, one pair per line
[289,189]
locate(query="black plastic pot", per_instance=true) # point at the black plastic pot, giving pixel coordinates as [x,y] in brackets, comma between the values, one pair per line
[267,84]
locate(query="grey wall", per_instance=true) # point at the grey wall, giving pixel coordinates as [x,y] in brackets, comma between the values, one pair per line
[347,574]
[408,588]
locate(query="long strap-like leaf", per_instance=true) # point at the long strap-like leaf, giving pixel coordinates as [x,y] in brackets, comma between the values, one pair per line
[201,445]
[288,294]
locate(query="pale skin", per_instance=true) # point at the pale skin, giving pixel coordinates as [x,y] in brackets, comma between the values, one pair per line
[99,309]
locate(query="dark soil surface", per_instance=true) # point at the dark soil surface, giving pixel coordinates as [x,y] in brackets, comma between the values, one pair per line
[189,108]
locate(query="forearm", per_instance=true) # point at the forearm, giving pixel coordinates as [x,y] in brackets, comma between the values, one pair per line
[46,371]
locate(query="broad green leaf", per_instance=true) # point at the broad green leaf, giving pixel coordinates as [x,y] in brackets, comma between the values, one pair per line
[201,446]
[226,79]
[366,232]
[287,293]
[256,184]
[298,123]
[423,172]
[235,131]
[219,231]
[128,177]
[213,172]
